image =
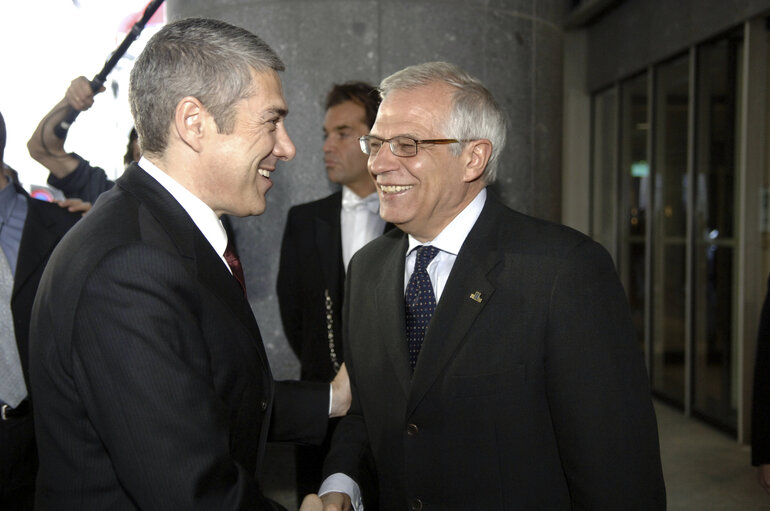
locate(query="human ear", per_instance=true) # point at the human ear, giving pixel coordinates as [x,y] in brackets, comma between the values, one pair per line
[189,122]
[478,153]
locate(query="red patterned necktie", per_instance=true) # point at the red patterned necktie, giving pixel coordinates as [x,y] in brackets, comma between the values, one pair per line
[235,265]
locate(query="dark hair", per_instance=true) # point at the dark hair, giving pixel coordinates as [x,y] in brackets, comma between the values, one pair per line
[208,59]
[129,156]
[360,93]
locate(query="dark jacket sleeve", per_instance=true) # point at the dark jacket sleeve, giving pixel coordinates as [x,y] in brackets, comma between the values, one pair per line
[760,411]
[85,182]
[289,286]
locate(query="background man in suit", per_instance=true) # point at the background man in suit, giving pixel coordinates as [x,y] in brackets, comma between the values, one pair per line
[155,389]
[29,231]
[319,239]
[524,389]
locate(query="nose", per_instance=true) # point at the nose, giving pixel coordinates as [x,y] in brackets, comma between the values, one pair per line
[383,161]
[327,147]
[284,147]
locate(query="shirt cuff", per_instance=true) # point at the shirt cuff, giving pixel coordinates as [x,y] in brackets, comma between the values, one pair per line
[331,398]
[342,483]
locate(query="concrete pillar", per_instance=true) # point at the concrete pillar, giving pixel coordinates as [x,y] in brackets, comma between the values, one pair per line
[513,46]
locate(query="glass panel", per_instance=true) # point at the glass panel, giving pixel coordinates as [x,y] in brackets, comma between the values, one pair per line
[634,186]
[604,172]
[670,229]
[714,358]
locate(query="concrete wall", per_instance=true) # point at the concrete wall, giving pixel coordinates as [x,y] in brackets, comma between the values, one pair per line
[638,33]
[514,47]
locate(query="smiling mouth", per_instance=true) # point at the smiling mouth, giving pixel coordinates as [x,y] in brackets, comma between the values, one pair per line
[264,173]
[395,188]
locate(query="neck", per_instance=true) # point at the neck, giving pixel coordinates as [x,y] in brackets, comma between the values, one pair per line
[362,189]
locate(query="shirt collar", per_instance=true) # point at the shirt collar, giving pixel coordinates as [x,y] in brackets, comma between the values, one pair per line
[350,200]
[203,216]
[452,237]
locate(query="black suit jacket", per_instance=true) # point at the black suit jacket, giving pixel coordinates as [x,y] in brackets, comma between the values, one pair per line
[310,285]
[152,386]
[45,225]
[529,393]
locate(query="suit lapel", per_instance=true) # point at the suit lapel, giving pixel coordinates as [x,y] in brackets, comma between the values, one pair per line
[389,311]
[467,292]
[329,245]
[198,255]
[37,241]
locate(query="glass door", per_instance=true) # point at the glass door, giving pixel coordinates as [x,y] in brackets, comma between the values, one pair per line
[715,232]
[635,197]
[669,233]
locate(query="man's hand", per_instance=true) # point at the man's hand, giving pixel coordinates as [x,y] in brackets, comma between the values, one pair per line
[75,205]
[341,397]
[329,502]
[763,475]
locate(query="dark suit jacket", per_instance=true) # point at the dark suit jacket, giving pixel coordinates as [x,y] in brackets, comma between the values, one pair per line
[152,386]
[311,267]
[532,396]
[45,225]
[760,408]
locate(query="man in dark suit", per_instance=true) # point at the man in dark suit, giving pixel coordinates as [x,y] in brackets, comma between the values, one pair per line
[29,231]
[319,239]
[491,354]
[154,388]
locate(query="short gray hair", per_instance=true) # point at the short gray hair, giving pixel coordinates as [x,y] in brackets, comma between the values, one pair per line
[207,59]
[474,115]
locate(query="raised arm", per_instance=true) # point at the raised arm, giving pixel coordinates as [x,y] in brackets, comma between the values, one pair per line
[47,148]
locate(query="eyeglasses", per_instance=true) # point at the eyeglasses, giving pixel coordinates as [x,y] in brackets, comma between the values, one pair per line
[401,145]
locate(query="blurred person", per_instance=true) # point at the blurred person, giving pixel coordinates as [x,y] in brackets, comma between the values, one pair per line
[492,357]
[155,391]
[70,172]
[29,231]
[319,239]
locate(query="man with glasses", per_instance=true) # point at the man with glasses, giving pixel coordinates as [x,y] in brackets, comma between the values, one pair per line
[491,355]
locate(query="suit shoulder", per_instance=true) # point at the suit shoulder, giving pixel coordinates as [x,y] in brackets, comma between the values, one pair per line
[54,214]
[381,246]
[313,208]
[538,236]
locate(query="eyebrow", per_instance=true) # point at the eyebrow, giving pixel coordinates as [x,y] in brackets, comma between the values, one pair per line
[280,112]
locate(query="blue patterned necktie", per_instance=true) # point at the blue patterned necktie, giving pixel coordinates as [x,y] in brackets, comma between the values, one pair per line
[420,302]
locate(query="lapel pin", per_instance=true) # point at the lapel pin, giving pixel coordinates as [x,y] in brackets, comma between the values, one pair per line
[476,297]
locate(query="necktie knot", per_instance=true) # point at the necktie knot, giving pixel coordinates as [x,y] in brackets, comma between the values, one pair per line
[235,265]
[425,255]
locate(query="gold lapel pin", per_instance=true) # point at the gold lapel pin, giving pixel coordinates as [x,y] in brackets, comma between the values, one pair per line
[476,297]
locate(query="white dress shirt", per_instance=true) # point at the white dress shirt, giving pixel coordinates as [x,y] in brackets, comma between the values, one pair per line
[360,222]
[202,216]
[448,241]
